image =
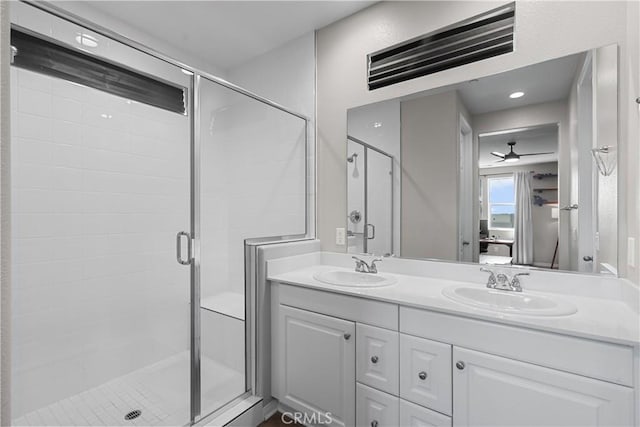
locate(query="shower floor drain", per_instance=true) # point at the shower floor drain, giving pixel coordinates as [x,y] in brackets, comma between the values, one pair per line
[133,415]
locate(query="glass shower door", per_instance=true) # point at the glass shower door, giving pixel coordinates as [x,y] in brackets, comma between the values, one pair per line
[252,184]
[369,199]
[379,190]
[100,186]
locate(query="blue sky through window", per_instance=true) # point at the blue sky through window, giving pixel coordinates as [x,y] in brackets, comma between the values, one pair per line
[501,190]
[501,202]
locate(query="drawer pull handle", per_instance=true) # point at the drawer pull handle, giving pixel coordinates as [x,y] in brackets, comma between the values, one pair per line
[422,375]
[347,336]
[374,423]
[374,359]
[460,365]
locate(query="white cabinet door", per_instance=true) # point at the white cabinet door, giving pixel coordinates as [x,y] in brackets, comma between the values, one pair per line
[494,391]
[425,373]
[412,415]
[317,370]
[375,408]
[377,358]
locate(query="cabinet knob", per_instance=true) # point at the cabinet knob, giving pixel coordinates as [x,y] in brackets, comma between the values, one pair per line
[374,359]
[347,336]
[374,423]
[460,365]
[422,375]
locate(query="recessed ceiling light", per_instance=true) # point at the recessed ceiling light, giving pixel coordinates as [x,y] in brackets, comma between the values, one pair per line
[515,95]
[86,40]
[377,125]
[106,116]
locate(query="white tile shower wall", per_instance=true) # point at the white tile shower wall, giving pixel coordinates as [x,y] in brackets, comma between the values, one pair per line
[99,188]
[287,75]
[253,172]
[253,168]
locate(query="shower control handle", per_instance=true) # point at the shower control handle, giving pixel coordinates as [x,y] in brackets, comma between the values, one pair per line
[179,237]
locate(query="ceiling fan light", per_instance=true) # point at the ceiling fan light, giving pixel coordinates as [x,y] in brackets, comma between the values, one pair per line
[511,159]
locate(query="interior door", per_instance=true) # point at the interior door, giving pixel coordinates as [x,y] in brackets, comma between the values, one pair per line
[465,191]
[583,216]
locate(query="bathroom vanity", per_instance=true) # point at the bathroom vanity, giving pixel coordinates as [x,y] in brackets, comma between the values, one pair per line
[433,346]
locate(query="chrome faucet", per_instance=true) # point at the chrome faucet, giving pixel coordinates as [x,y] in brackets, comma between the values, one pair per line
[363,267]
[503,282]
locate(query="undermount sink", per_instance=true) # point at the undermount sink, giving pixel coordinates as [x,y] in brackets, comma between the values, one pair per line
[523,303]
[353,278]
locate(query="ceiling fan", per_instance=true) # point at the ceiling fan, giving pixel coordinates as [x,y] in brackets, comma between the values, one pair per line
[512,156]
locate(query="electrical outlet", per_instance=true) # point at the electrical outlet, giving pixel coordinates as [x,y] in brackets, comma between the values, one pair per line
[340,236]
[631,252]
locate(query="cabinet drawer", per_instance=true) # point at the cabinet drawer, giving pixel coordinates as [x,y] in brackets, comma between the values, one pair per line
[377,358]
[412,415]
[425,373]
[375,408]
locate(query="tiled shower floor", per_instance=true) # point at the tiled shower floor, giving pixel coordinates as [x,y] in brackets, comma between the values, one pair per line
[160,391]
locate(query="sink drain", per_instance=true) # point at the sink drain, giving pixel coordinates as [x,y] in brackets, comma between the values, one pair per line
[133,415]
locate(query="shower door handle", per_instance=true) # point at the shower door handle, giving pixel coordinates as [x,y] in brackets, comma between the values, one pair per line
[179,237]
[373,231]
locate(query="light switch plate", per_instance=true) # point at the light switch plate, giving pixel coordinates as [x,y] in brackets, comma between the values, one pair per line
[340,236]
[631,251]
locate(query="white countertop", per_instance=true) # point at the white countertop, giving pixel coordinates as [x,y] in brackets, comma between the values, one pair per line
[604,319]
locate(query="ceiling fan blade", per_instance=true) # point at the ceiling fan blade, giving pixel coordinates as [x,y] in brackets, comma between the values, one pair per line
[499,161]
[535,154]
[497,154]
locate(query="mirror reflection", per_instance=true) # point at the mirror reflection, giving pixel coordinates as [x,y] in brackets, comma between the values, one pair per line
[510,169]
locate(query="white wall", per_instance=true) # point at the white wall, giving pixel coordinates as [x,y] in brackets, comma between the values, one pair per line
[430,177]
[253,160]
[630,125]
[5,223]
[544,30]
[287,75]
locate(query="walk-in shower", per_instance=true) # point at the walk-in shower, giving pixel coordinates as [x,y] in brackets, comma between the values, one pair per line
[369,199]
[122,161]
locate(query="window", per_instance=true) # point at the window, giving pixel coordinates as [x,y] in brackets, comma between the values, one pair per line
[502,206]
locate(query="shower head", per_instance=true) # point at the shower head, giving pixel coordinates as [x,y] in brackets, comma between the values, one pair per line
[352,157]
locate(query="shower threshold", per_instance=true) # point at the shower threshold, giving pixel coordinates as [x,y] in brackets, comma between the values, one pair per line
[160,392]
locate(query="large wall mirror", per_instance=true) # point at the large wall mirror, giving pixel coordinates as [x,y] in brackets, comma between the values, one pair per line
[517,168]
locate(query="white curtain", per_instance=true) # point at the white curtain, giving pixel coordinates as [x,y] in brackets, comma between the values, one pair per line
[523,227]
